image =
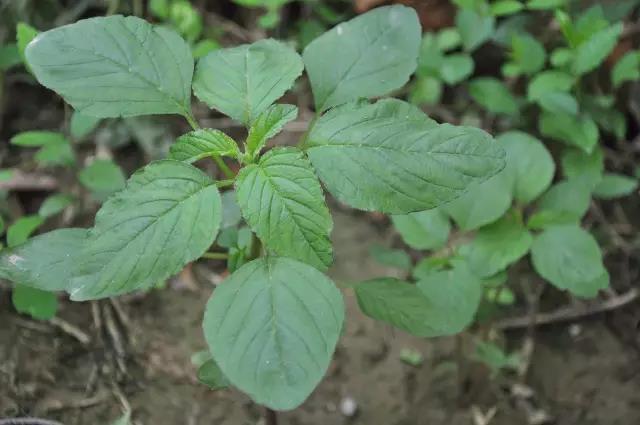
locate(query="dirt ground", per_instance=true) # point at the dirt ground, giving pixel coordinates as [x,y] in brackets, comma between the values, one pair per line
[581,375]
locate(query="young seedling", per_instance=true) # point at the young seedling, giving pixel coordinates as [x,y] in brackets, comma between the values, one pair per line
[273,324]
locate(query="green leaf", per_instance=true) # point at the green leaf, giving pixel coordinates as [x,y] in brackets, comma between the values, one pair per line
[548,82]
[580,131]
[281,199]
[498,245]
[203,143]
[395,258]
[615,186]
[595,50]
[242,82]
[577,164]
[456,68]
[506,7]
[626,69]
[493,95]
[443,303]
[475,28]
[203,47]
[159,8]
[55,204]
[38,304]
[430,58]
[45,261]
[102,177]
[57,154]
[272,327]
[561,56]
[389,157]
[423,230]
[25,33]
[209,373]
[267,125]
[566,202]
[527,53]
[22,228]
[368,56]
[38,138]
[167,216]
[545,4]
[448,39]
[82,125]
[484,203]
[426,90]
[530,167]
[9,56]
[231,214]
[559,102]
[115,66]
[570,258]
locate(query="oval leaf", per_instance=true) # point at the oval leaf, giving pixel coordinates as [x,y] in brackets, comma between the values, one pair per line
[45,261]
[167,216]
[282,201]
[272,327]
[367,56]
[115,66]
[242,82]
[378,157]
[570,258]
[267,125]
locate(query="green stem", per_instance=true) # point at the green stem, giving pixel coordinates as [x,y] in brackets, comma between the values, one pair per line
[225,183]
[215,255]
[191,120]
[305,136]
[224,167]
[113,7]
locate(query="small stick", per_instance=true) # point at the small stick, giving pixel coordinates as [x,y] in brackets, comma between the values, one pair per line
[70,330]
[566,314]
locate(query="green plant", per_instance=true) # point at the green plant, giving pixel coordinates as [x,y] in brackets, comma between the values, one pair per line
[564,97]
[273,324]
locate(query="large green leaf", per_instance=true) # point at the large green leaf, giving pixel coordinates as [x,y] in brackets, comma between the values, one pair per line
[367,56]
[570,258]
[45,261]
[442,303]
[484,203]
[389,157]
[498,245]
[267,125]
[115,66]
[282,201]
[202,143]
[530,167]
[424,229]
[242,82]
[272,327]
[167,216]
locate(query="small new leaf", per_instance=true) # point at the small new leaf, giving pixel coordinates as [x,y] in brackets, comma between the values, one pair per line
[268,124]
[203,143]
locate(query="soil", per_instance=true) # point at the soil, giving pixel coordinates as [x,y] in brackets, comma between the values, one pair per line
[583,374]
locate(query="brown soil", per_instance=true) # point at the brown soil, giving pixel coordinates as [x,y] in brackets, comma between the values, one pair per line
[588,377]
